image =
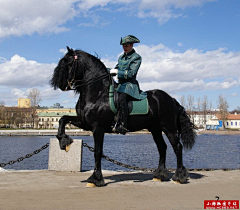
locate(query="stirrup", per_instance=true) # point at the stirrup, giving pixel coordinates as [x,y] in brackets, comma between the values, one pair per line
[120,129]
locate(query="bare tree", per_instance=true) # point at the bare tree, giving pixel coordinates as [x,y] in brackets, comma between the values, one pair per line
[210,105]
[204,106]
[2,113]
[199,104]
[183,101]
[223,108]
[190,103]
[35,96]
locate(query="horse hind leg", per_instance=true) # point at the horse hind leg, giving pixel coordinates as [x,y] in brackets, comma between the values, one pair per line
[181,173]
[161,173]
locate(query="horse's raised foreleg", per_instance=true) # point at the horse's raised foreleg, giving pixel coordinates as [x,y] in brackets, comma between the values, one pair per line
[161,173]
[181,174]
[96,178]
[64,139]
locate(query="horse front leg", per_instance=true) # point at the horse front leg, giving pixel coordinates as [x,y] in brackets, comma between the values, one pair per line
[96,179]
[64,140]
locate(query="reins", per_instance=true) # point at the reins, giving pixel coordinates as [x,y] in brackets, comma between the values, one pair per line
[72,82]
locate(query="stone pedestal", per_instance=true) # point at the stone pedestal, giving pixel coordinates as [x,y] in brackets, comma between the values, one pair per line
[59,160]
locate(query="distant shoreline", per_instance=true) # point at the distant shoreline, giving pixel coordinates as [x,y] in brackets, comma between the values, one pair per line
[53,132]
[226,132]
[78,132]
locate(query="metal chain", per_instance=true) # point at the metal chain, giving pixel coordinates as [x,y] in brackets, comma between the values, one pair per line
[150,169]
[26,156]
[108,159]
[119,163]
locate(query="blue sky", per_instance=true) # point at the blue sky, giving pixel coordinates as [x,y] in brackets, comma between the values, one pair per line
[188,47]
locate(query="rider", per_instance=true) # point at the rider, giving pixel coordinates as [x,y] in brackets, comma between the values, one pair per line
[128,88]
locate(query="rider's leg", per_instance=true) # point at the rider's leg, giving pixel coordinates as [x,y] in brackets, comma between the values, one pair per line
[123,113]
[124,108]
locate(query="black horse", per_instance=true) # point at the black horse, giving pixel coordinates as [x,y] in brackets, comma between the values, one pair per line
[89,77]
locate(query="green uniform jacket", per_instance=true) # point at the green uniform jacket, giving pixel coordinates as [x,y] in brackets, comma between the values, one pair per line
[128,65]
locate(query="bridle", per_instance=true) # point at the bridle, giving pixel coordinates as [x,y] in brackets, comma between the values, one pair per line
[72,73]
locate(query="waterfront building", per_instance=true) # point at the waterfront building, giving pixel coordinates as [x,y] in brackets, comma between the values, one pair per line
[212,120]
[201,119]
[15,117]
[232,121]
[50,120]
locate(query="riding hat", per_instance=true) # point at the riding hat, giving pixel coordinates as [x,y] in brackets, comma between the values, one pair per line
[129,40]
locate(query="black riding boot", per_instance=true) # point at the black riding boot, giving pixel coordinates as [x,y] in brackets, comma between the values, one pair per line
[122,127]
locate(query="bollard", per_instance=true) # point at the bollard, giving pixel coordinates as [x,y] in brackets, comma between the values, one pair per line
[59,160]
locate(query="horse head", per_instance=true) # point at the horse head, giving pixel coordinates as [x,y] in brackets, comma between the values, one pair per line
[77,69]
[64,73]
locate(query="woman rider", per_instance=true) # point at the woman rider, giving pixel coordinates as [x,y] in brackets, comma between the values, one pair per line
[128,88]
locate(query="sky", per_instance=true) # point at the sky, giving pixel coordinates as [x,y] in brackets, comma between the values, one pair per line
[187,47]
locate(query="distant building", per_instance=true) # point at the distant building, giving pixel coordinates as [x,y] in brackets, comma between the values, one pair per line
[212,120]
[57,106]
[24,103]
[50,120]
[15,117]
[200,119]
[232,121]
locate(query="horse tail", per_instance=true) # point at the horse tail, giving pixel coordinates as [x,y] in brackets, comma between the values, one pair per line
[186,128]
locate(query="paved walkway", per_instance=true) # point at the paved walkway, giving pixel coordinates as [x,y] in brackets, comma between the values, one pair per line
[50,190]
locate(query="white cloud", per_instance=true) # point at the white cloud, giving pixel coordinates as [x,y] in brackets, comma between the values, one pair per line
[21,75]
[17,93]
[19,72]
[63,51]
[34,16]
[180,44]
[234,94]
[27,17]
[161,10]
[191,70]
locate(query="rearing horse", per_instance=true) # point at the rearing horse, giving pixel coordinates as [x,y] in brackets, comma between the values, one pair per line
[89,77]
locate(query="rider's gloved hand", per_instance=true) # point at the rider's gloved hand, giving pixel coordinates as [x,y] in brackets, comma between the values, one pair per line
[114,72]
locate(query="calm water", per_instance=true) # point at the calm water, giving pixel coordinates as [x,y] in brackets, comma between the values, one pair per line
[209,151]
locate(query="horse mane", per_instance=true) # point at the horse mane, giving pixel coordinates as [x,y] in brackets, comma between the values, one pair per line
[86,61]
[91,57]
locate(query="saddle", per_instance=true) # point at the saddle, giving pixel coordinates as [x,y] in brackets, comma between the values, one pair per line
[134,107]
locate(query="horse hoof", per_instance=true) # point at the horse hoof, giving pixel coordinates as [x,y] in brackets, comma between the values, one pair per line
[176,182]
[157,180]
[90,185]
[67,148]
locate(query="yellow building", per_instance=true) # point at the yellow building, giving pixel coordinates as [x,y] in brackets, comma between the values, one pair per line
[24,103]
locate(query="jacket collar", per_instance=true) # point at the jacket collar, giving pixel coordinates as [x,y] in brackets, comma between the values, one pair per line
[128,54]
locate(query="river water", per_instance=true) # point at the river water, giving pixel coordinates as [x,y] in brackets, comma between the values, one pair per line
[209,151]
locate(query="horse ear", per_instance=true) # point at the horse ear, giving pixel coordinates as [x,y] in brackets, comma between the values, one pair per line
[70,50]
